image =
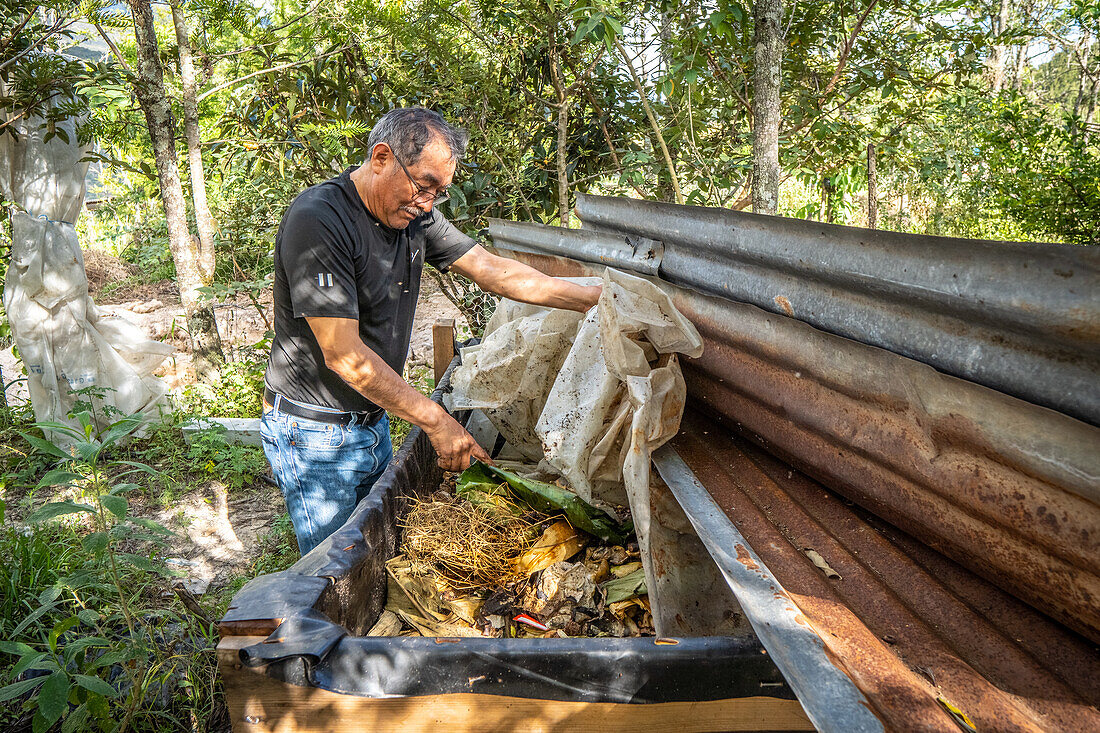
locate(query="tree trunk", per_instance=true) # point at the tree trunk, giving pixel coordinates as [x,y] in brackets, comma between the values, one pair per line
[652,117]
[203,220]
[768,58]
[872,188]
[1085,45]
[1021,68]
[565,211]
[999,58]
[1091,115]
[150,94]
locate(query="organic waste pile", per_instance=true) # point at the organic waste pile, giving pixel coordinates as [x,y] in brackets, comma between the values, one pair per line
[494,554]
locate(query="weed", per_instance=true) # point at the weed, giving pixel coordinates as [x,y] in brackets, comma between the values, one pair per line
[239,392]
[235,465]
[399,430]
[90,650]
[420,377]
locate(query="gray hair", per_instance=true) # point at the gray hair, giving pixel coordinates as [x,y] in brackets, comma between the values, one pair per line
[407,130]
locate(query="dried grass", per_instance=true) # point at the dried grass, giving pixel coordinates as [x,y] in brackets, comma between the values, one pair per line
[468,546]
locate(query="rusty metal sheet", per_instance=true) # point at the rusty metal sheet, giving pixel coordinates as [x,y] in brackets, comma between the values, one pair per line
[622,251]
[827,693]
[1019,317]
[911,627]
[1009,489]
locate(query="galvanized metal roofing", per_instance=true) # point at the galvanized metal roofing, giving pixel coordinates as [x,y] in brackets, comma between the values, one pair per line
[1021,318]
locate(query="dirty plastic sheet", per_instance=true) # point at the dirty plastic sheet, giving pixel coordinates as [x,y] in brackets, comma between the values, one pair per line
[584,392]
[64,341]
[599,395]
[307,634]
[583,670]
[509,374]
[637,670]
[608,400]
[338,586]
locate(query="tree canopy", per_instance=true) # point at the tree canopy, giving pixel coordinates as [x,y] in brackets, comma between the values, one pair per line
[979,117]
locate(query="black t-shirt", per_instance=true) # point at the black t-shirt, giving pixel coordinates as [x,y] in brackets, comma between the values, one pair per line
[333,258]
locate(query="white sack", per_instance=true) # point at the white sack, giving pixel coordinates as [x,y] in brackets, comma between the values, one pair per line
[62,339]
[620,388]
[583,391]
[595,397]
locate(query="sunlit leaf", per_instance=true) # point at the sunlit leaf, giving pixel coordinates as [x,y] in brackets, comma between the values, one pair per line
[58,509]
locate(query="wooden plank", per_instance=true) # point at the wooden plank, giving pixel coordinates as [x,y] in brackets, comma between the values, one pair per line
[251,627]
[259,704]
[443,345]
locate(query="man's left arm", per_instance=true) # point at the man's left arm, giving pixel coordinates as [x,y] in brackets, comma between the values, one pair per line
[517,281]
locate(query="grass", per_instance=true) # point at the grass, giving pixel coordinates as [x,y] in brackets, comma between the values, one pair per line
[420,377]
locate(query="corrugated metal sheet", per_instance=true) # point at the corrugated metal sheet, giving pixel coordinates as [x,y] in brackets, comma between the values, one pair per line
[830,698]
[910,626]
[1008,489]
[1021,318]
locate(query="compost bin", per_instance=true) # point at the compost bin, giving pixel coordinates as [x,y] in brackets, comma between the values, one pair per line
[294,655]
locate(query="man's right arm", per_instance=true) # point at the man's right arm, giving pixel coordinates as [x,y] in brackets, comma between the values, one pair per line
[358,365]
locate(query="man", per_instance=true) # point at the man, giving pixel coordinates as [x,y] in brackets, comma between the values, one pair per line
[348,260]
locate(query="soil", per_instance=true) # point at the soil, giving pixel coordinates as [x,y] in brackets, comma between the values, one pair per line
[218,531]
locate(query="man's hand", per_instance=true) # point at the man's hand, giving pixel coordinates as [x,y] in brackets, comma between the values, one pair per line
[457,449]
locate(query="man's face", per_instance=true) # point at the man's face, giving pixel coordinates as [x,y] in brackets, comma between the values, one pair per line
[399,198]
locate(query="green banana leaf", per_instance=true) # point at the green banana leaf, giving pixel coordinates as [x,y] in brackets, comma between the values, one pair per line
[628,586]
[484,479]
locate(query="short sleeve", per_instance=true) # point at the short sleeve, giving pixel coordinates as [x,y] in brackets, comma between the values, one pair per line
[316,254]
[444,243]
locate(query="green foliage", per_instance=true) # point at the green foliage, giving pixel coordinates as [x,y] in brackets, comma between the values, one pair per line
[153,258]
[399,430]
[248,209]
[18,466]
[34,79]
[239,392]
[1043,172]
[236,466]
[83,584]
[1002,168]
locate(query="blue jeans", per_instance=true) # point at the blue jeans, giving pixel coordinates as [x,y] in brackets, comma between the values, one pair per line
[323,469]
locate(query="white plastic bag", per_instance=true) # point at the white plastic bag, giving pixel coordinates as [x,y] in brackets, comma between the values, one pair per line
[509,374]
[593,398]
[582,392]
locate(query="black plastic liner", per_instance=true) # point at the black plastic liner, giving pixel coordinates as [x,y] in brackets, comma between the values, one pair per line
[334,594]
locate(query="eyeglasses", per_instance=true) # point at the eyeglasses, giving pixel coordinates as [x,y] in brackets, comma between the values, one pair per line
[423,195]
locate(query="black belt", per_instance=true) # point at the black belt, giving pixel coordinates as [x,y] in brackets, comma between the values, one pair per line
[296,409]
